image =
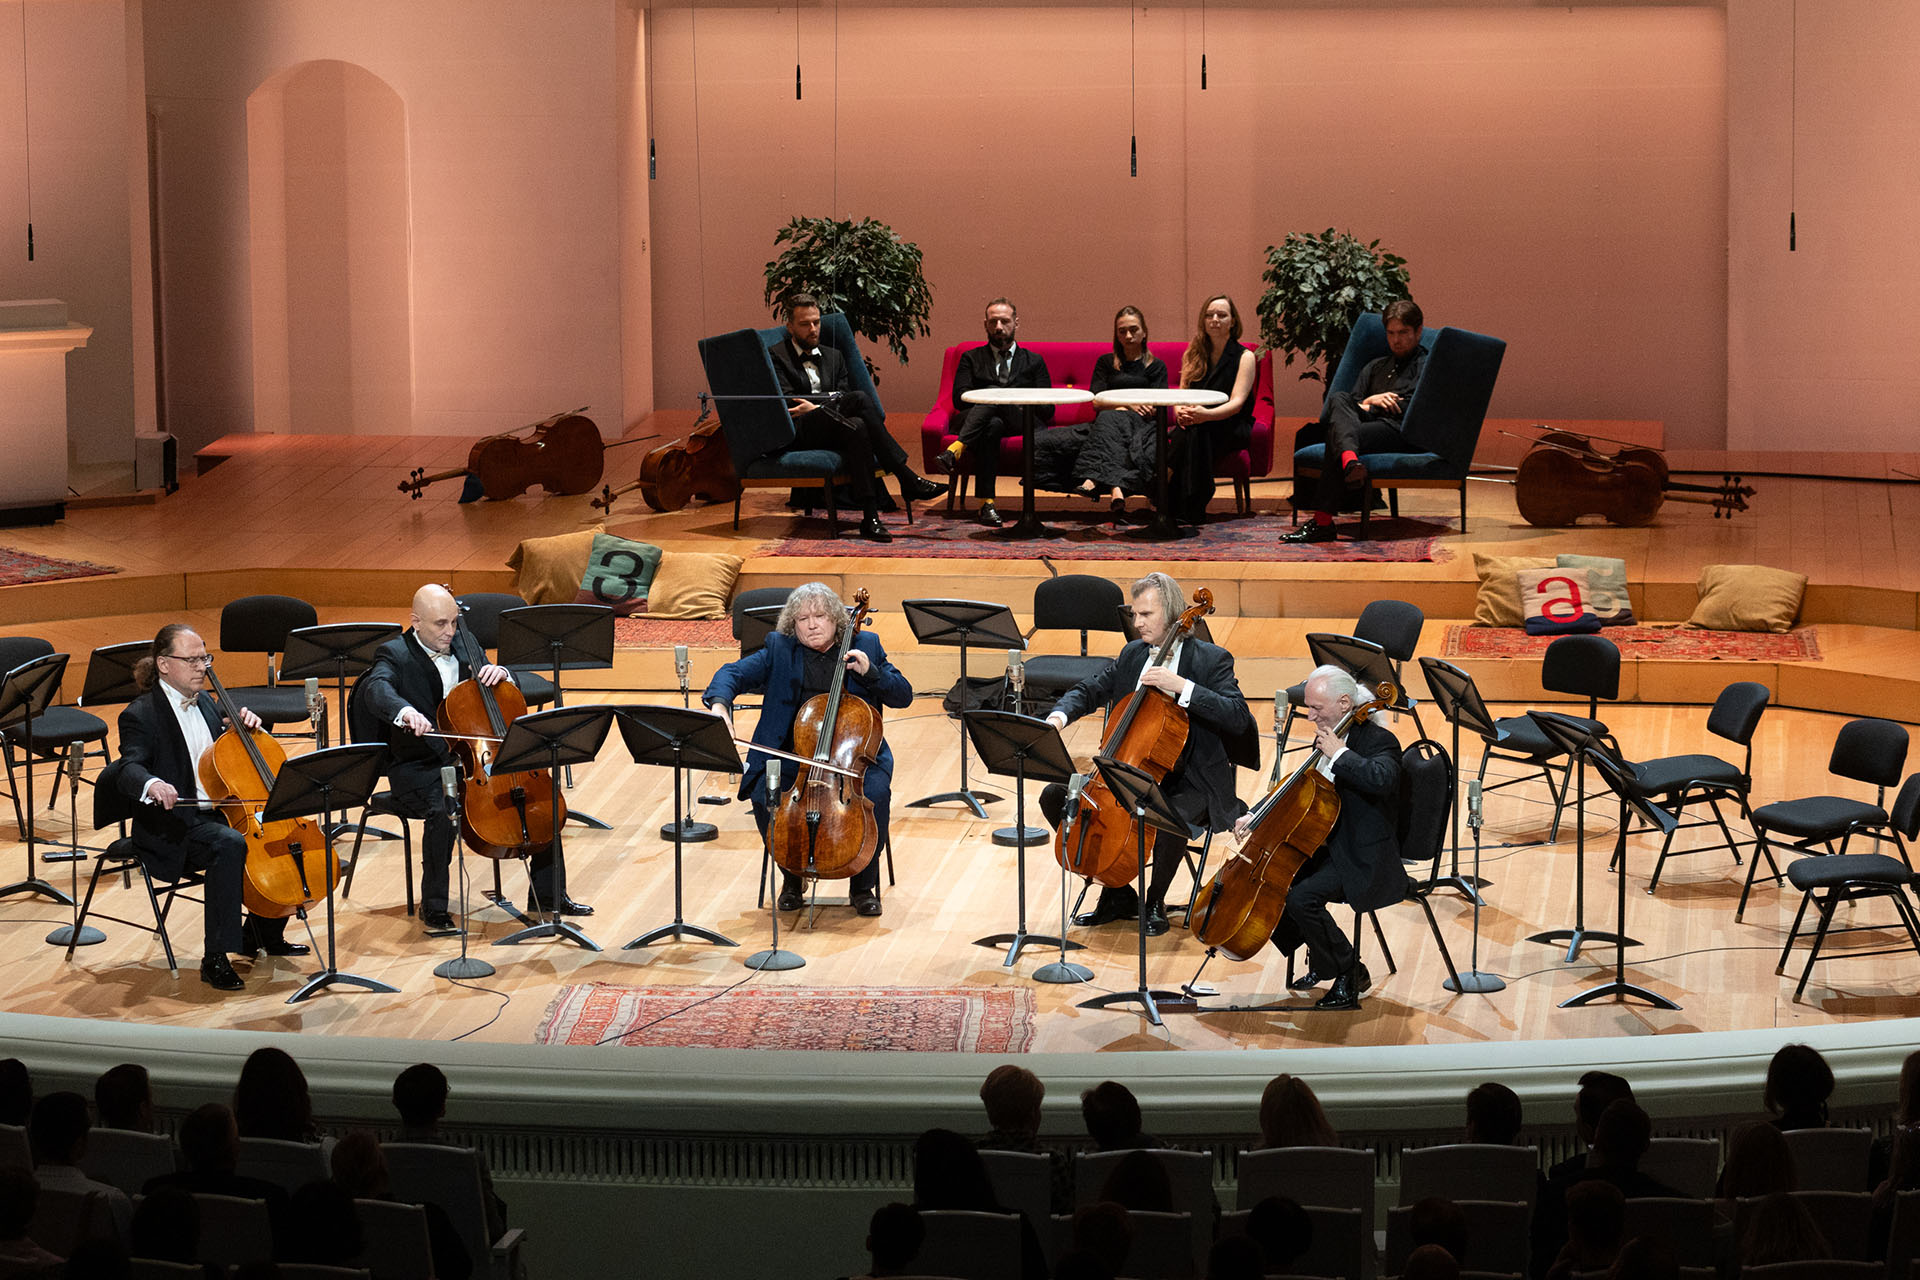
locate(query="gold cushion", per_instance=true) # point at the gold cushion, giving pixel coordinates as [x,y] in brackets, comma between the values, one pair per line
[1748,597]
[1498,604]
[550,568]
[692,584]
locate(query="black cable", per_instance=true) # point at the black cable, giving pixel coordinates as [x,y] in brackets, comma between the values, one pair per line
[505,1000]
[628,1031]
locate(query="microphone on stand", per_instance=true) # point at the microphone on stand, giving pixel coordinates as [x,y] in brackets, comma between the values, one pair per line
[450,781]
[1473,804]
[1016,678]
[680,667]
[317,711]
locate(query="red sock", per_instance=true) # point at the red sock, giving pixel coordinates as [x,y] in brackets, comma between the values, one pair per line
[1323,517]
[1348,458]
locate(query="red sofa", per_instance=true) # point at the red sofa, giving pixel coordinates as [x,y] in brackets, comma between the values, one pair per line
[1071,365]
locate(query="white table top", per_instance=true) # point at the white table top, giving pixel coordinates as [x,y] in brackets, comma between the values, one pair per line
[1027,395]
[1157,397]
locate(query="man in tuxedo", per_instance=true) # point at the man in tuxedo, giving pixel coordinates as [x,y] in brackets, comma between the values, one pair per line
[1001,363]
[1360,862]
[410,676]
[1220,735]
[163,734]
[852,426]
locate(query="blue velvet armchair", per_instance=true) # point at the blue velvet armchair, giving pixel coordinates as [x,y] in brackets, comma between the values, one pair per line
[1443,422]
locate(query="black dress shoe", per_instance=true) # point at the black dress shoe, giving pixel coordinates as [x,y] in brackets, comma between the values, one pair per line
[873,531]
[793,896]
[437,921]
[568,907]
[990,516]
[947,461]
[1354,474]
[253,942]
[1313,531]
[919,488]
[1306,981]
[866,903]
[1156,920]
[217,973]
[1113,904]
[1347,989]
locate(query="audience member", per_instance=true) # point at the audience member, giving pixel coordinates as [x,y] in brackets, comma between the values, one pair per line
[123,1097]
[1012,1095]
[1598,1091]
[1235,1258]
[166,1228]
[1082,1264]
[1781,1230]
[1493,1115]
[1799,1082]
[1619,1139]
[949,1174]
[57,1132]
[360,1169]
[1112,1116]
[1758,1163]
[210,1149]
[894,1234]
[16,1092]
[1645,1258]
[1291,1116]
[1893,1161]
[1438,1221]
[1104,1230]
[323,1228]
[1139,1182]
[420,1096]
[271,1099]
[1596,1216]
[1282,1229]
[1431,1262]
[19,1254]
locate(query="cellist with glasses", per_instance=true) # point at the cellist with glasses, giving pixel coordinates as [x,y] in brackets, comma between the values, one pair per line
[1198,676]
[797,664]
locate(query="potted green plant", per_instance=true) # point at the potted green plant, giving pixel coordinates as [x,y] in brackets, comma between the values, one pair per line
[1316,287]
[861,269]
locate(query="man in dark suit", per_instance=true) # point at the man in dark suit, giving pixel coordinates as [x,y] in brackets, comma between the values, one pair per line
[1360,862]
[1220,735]
[163,734]
[1001,363]
[853,425]
[410,676]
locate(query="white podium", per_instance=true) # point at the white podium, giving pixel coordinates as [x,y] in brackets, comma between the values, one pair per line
[35,337]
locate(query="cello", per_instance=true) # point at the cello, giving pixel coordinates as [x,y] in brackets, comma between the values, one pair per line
[1564,477]
[1096,836]
[1240,907]
[503,815]
[290,864]
[825,826]
[562,454]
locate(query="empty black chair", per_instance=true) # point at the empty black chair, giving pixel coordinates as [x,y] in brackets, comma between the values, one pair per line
[1071,602]
[1674,782]
[481,611]
[259,624]
[54,731]
[751,617]
[1866,750]
[1826,882]
[1392,627]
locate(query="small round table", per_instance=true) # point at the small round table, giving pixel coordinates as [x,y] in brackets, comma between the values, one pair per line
[1027,398]
[1160,399]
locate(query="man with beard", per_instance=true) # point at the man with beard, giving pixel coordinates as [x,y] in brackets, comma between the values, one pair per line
[1001,363]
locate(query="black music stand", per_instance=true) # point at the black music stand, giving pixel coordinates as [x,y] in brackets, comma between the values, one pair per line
[1632,801]
[317,784]
[336,650]
[963,623]
[559,637]
[679,738]
[25,694]
[110,679]
[549,740]
[1576,739]
[684,829]
[1447,697]
[74,934]
[1022,748]
[1136,789]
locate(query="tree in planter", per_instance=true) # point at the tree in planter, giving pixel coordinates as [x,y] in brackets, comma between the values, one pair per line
[1317,286]
[861,269]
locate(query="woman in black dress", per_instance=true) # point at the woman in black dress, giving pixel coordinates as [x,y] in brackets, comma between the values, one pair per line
[1215,361]
[1113,454]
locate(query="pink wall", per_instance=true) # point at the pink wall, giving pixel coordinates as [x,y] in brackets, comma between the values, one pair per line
[1555,177]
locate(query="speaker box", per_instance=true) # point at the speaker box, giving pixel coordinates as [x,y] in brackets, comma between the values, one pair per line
[156,461]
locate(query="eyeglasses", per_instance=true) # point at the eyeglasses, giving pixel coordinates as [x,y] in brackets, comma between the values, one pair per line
[203,661]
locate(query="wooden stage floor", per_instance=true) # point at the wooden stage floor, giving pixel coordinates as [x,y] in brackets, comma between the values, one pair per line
[325,513]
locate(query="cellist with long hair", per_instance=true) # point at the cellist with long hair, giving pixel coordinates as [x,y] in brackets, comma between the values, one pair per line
[1221,734]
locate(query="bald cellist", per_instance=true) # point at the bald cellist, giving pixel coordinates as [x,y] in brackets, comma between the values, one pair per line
[1199,677]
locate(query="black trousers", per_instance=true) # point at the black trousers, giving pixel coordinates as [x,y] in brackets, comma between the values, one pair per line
[850,438]
[1306,919]
[1349,427]
[212,847]
[1168,850]
[417,793]
[888,455]
[981,429]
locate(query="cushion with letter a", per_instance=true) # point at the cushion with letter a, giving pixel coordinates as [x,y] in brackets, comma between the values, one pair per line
[619,573]
[1607,587]
[1557,602]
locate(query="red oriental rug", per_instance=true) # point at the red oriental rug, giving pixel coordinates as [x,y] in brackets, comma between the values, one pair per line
[924,1020]
[17,567]
[1093,536]
[1672,644]
[655,633]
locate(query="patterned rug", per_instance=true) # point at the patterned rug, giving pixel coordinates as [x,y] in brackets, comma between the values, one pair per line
[655,633]
[1680,644]
[17,567]
[1093,536]
[924,1020]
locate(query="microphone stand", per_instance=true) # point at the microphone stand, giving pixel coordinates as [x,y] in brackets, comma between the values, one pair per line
[1018,836]
[75,934]
[463,965]
[773,958]
[685,829]
[1473,981]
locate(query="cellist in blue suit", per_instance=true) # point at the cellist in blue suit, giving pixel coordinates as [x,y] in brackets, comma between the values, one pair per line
[795,664]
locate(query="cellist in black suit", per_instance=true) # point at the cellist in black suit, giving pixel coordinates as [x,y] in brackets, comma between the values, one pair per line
[410,676]
[163,734]
[1220,735]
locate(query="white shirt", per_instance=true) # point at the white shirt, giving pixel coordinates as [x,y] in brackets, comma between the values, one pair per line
[810,361]
[1326,762]
[1172,664]
[193,727]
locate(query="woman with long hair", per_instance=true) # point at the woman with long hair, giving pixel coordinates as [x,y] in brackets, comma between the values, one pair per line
[1113,455]
[1215,361]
